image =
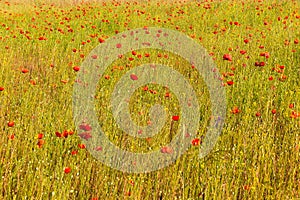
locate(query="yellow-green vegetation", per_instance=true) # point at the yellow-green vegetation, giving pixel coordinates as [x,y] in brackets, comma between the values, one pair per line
[255,45]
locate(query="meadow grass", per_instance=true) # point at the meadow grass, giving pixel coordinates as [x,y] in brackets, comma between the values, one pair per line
[257,154]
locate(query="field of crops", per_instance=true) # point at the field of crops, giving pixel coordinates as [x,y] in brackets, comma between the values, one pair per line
[46,154]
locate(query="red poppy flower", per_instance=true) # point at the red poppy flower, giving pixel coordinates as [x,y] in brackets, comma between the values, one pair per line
[40,135]
[294,114]
[76,68]
[98,148]
[24,71]
[145,88]
[243,52]
[282,78]
[261,64]
[81,146]
[94,56]
[74,152]
[67,170]
[246,41]
[246,187]
[166,150]
[11,124]
[133,77]
[70,132]
[196,142]
[42,38]
[175,118]
[1,88]
[267,55]
[235,110]
[11,137]
[85,127]
[227,57]
[101,40]
[85,135]
[153,91]
[118,45]
[40,143]
[229,82]
[58,134]
[32,82]
[65,134]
